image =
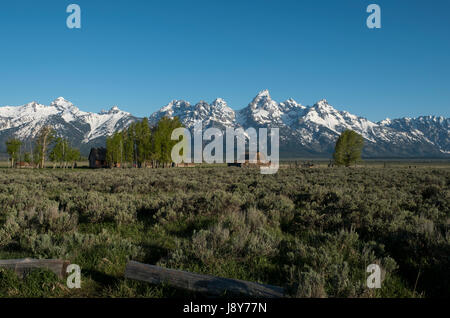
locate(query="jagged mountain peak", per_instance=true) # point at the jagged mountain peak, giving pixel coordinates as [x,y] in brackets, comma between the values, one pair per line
[262,100]
[60,101]
[323,101]
[290,104]
[173,104]
[323,105]
[385,122]
[262,110]
[113,110]
[264,93]
[220,103]
[63,105]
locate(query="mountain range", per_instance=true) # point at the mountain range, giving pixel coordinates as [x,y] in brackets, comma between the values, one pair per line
[83,129]
[305,131]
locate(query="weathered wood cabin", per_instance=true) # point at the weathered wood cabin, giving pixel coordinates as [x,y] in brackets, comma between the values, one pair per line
[97,158]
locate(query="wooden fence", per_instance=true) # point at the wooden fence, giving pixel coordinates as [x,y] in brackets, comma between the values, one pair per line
[205,284]
[22,266]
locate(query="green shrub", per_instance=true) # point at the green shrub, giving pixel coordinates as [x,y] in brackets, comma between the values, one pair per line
[313,231]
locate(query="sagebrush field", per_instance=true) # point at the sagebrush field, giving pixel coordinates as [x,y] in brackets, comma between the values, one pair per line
[312,231]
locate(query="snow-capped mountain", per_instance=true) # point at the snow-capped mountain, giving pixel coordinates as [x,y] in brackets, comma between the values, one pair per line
[83,129]
[218,114]
[313,131]
[304,130]
[435,130]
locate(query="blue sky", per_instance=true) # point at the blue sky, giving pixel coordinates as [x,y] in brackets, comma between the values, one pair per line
[139,55]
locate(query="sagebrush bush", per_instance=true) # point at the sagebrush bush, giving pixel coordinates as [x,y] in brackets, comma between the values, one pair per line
[313,231]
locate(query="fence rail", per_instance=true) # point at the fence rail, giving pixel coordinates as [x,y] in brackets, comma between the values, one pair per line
[22,266]
[206,284]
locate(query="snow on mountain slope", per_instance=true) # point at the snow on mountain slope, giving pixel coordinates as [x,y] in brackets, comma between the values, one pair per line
[304,130]
[106,122]
[324,115]
[291,111]
[33,112]
[24,122]
[314,130]
[436,130]
[218,113]
[263,111]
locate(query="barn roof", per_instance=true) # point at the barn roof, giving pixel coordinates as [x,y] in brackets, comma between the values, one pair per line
[98,153]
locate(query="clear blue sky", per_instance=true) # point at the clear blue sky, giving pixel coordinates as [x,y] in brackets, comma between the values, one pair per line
[139,55]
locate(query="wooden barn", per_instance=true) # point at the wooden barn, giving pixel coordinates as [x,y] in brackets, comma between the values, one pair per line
[97,158]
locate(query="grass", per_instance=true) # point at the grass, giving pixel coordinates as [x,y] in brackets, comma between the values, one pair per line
[312,231]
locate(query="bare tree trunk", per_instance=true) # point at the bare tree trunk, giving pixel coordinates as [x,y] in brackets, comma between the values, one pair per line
[43,151]
[45,132]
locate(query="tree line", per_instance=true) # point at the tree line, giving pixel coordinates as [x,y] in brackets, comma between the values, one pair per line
[140,145]
[46,145]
